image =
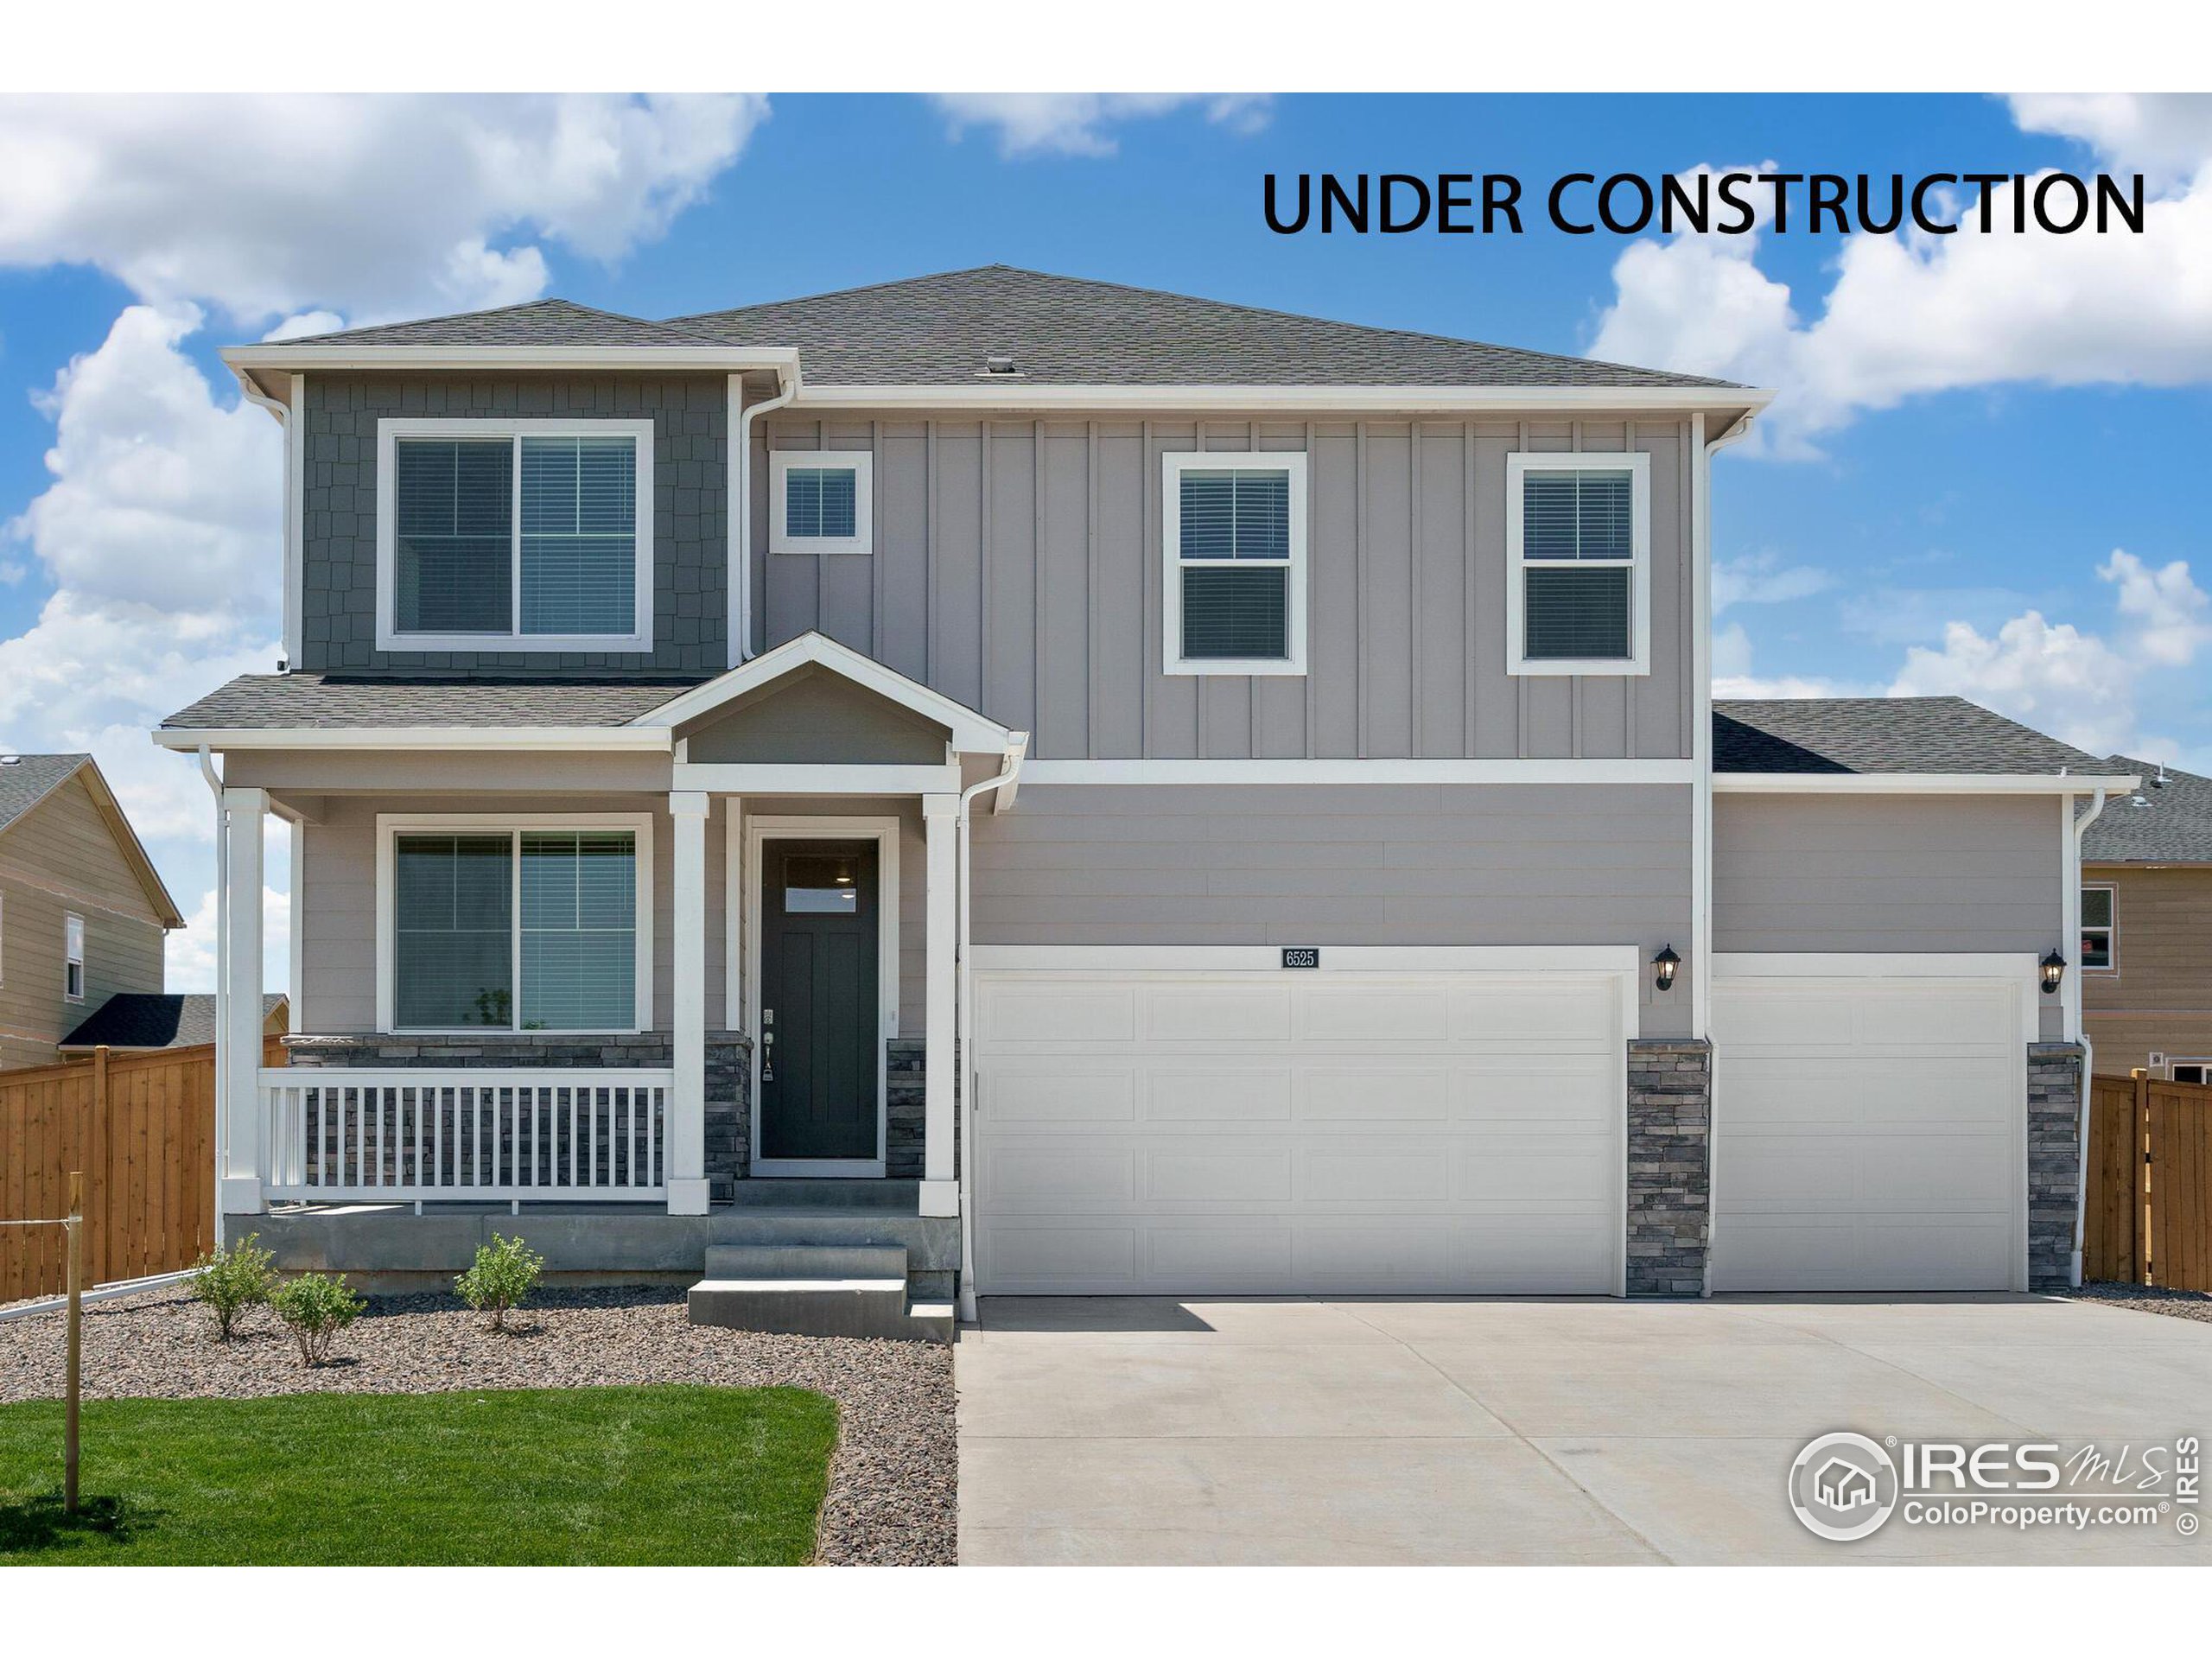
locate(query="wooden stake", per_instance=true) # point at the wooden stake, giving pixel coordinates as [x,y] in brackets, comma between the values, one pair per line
[76,1227]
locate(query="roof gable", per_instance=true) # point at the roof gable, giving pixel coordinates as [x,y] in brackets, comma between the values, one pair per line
[538,322]
[43,775]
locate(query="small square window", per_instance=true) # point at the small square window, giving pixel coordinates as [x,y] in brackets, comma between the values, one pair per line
[2100,931]
[819,501]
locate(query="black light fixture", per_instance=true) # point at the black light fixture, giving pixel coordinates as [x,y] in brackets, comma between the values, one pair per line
[1663,967]
[2054,969]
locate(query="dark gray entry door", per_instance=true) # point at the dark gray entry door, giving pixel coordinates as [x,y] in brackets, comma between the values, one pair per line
[819,1008]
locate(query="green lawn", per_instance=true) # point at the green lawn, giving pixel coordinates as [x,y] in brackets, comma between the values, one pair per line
[550,1476]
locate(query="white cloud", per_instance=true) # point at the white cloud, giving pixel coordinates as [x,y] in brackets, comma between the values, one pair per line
[1080,124]
[2173,615]
[191,962]
[2051,675]
[1732,675]
[1913,313]
[1763,578]
[266,205]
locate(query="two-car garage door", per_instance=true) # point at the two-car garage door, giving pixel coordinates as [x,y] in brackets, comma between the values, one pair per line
[1224,1129]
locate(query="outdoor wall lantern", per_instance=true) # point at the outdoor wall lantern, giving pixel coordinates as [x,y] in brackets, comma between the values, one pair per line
[2054,969]
[1663,967]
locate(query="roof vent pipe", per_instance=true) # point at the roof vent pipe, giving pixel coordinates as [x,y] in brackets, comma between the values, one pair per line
[999,365]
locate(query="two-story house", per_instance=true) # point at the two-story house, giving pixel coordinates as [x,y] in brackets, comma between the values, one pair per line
[1099,791]
[83,917]
[2146,925]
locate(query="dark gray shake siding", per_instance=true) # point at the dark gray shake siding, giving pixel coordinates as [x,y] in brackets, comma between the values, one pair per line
[690,420]
[1017,568]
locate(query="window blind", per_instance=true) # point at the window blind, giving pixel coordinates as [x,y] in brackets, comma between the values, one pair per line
[579,929]
[1573,613]
[1236,514]
[821,501]
[579,535]
[452,941]
[1229,613]
[1578,515]
[454,502]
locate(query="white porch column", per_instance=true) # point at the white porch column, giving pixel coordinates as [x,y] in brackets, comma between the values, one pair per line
[242,1165]
[687,1113]
[940,1194]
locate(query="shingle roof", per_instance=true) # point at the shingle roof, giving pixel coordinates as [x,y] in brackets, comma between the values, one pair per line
[156,1019]
[2161,823]
[262,701]
[27,780]
[1069,331]
[1883,734]
[540,322]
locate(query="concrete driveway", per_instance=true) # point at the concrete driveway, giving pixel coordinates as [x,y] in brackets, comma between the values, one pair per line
[1114,1430]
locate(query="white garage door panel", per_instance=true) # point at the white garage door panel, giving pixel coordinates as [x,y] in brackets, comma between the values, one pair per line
[1870,1133]
[1226,1131]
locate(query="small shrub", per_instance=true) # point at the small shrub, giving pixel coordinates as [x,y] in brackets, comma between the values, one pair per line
[315,1308]
[505,1270]
[227,1283]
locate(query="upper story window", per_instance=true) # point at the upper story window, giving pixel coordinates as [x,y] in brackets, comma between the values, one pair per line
[514,535]
[72,957]
[1233,545]
[819,501]
[1578,564]
[2099,930]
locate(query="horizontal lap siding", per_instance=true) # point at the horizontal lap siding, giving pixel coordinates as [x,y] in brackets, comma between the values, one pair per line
[1017,569]
[1390,865]
[2158,998]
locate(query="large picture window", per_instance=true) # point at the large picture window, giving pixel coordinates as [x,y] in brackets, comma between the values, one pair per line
[1578,531]
[535,926]
[521,536]
[1234,550]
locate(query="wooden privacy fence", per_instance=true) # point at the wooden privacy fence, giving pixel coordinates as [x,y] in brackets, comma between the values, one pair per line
[141,1126]
[2150,1175]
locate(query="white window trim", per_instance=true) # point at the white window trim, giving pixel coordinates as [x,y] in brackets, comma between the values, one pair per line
[1174,465]
[2173,1060]
[73,923]
[2111,930]
[1517,467]
[861,463]
[748,849]
[391,825]
[391,429]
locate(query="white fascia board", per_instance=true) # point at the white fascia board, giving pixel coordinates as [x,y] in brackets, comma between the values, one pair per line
[1915,783]
[476,738]
[1038,773]
[647,359]
[746,779]
[1335,958]
[1404,399]
[971,732]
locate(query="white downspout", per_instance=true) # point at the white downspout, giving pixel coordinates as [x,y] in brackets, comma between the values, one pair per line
[2080,1034]
[1702,806]
[740,527]
[222,979]
[1009,774]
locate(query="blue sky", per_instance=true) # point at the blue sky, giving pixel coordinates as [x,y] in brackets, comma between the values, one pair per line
[1966,435]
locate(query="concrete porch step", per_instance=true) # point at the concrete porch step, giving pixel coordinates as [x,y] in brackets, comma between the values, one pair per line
[819,1307]
[803,1193]
[825,1260]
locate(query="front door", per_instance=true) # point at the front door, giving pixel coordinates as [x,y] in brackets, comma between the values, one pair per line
[819,1040]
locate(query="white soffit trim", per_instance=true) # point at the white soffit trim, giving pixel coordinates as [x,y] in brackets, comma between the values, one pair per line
[1359,772]
[971,731]
[1335,958]
[1411,399]
[478,738]
[1915,783]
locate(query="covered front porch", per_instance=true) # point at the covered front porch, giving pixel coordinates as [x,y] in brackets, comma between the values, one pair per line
[764,872]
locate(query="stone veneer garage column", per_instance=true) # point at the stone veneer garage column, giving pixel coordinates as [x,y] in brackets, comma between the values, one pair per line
[2054,1162]
[1669,1165]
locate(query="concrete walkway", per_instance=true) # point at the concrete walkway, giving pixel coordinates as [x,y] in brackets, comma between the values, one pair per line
[1128,1430]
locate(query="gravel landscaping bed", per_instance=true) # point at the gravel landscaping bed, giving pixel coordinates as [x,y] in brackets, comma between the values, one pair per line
[2146,1298]
[891,1483]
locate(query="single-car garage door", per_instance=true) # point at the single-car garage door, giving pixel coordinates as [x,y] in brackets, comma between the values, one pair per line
[1352,1128]
[1870,1122]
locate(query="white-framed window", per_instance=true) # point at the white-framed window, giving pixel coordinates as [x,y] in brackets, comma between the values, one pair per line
[514,922]
[514,535]
[2192,1071]
[1233,556]
[821,501]
[1578,564]
[72,957]
[2100,931]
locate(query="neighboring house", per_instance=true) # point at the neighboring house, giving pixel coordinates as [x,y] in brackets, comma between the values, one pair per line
[1271,759]
[2146,925]
[138,1021]
[82,913]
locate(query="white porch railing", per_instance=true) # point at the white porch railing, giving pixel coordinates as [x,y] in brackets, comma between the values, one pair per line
[435,1133]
